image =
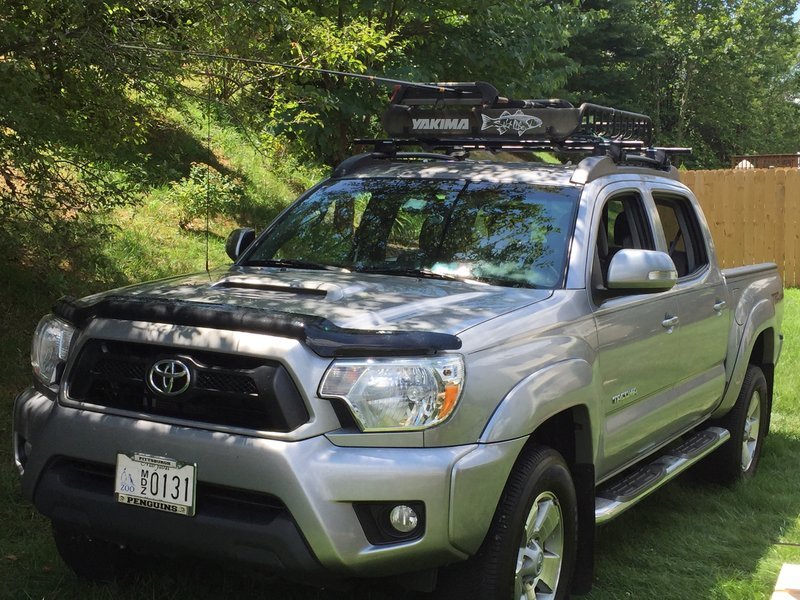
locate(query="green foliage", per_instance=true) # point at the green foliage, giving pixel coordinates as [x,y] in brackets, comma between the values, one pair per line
[67,115]
[517,46]
[205,192]
[720,76]
[82,116]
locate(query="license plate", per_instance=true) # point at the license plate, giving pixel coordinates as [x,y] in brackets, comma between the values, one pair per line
[155,482]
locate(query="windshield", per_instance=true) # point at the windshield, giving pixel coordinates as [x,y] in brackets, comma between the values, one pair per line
[502,233]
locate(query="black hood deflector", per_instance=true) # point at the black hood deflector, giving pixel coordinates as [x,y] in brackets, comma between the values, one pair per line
[320,335]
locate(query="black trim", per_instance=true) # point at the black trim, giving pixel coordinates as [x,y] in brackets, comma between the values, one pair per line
[230,524]
[374,520]
[44,390]
[267,287]
[323,337]
[583,476]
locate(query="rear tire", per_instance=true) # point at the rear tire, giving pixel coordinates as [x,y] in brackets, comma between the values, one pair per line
[738,459]
[89,558]
[529,551]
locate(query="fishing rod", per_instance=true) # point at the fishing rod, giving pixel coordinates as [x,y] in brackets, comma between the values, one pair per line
[258,61]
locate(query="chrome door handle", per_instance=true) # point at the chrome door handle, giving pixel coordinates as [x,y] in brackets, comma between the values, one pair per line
[670,322]
[718,306]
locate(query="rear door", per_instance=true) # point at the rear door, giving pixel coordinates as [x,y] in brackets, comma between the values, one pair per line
[703,305]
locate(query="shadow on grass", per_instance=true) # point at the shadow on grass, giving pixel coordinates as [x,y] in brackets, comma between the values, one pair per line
[168,153]
[251,213]
[691,539]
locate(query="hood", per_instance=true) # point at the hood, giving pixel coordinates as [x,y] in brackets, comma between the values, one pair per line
[350,300]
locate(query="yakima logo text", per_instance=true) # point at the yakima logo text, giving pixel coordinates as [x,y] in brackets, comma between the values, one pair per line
[440,124]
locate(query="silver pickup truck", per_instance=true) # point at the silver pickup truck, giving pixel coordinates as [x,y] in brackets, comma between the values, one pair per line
[441,370]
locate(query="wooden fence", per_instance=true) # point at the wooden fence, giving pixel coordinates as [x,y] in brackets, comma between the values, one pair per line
[754,216]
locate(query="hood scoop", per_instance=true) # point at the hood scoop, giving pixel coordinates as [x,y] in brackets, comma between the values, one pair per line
[240,284]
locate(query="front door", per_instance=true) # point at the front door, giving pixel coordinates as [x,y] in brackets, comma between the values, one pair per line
[639,357]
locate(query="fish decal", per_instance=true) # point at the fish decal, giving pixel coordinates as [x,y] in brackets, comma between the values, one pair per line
[519,122]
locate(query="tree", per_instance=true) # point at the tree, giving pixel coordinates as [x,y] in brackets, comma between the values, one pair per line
[74,108]
[715,75]
[519,47]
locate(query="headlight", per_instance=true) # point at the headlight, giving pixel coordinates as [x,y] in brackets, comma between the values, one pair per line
[396,394]
[50,348]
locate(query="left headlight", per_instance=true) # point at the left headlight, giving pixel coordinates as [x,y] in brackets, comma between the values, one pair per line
[50,348]
[396,394]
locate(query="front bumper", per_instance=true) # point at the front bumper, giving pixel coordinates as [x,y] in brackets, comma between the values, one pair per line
[287,505]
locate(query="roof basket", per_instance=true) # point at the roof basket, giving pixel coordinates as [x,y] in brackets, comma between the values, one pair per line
[476,111]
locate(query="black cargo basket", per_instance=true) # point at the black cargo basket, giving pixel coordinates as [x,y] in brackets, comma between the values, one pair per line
[476,112]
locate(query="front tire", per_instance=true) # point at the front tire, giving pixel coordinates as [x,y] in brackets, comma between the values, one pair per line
[529,551]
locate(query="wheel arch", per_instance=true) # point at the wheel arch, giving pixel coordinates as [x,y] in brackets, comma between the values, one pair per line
[758,345]
[563,423]
[557,398]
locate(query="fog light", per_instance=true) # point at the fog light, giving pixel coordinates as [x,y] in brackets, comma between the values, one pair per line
[403,518]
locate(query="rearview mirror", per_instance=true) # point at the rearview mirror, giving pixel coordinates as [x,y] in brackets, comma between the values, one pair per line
[646,270]
[238,241]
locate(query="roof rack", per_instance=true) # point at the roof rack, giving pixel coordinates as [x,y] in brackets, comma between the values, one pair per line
[456,117]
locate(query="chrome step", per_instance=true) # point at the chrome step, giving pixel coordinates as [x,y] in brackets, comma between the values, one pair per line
[622,492]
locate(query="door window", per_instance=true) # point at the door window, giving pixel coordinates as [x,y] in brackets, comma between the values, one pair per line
[682,232]
[623,225]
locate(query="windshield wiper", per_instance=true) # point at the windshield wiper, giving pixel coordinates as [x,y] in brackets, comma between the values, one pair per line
[428,274]
[409,272]
[293,263]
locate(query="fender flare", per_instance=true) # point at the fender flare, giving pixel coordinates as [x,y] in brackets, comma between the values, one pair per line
[553,389]
[760,318]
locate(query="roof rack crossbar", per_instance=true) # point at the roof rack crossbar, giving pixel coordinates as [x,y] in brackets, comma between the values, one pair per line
[620,151]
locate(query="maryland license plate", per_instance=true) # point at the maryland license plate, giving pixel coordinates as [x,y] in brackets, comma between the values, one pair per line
[155,482]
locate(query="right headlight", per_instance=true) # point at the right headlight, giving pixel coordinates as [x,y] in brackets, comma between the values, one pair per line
[50,348]
[396,394]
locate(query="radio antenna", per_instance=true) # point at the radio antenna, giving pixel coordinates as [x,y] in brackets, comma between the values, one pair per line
[208,171]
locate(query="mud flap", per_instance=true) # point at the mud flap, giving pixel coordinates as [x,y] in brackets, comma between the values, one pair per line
[583,478]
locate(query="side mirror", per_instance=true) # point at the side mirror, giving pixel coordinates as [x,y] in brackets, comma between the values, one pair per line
[646,270]
[238,241]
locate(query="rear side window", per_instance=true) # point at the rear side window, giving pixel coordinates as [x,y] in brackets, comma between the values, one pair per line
[685,243]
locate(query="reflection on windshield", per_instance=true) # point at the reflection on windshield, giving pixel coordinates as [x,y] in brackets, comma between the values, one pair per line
[507,234]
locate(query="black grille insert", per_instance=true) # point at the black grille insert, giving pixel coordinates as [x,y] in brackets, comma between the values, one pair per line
[226,389]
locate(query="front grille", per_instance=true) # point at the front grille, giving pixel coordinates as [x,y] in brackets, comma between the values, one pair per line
[225,389]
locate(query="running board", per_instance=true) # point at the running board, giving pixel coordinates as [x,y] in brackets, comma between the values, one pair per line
[622,492]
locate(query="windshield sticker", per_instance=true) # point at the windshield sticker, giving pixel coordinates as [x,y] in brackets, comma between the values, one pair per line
[519,122]
[440,124]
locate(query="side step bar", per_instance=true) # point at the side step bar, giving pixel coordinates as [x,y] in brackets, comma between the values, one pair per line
[622,492]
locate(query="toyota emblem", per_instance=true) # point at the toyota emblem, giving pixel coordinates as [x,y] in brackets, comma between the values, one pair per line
[169,377]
